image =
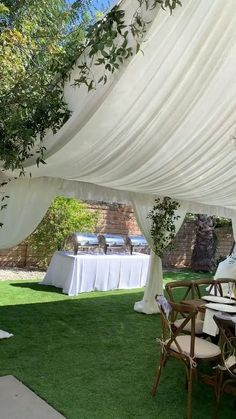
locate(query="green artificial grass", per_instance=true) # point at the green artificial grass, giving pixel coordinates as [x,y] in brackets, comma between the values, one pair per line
[93,356]
[184,274]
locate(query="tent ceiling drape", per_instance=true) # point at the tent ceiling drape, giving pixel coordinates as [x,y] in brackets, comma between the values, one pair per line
[163,125]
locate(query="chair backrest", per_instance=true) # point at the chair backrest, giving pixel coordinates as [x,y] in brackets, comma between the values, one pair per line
[227,342]
[214,286]
[185,287]
[169,333]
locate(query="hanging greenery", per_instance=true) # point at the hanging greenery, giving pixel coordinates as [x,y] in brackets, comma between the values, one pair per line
[39,44]
[163,227]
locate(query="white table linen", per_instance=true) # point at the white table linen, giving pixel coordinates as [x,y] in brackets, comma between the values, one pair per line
[96,272]
[209,326]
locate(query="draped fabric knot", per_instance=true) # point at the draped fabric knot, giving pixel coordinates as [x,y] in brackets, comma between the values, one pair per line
[193,363]
[162,343]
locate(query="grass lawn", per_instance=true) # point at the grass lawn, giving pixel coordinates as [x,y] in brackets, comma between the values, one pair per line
[92,356]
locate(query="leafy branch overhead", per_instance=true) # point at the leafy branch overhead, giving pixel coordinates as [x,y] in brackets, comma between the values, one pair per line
[40,41]
[163,219]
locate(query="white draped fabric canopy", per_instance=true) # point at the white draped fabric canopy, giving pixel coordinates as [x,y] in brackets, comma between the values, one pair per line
[164,125]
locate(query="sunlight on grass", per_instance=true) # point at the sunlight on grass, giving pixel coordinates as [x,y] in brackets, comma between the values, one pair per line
[182,274]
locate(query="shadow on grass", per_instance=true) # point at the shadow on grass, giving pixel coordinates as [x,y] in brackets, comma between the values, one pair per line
[37,287]
[48,289]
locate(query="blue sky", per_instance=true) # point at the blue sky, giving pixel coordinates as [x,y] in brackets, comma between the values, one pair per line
[101,4]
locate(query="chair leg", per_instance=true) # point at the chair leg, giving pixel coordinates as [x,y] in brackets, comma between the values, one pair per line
[218,392]
[195,376]
[158,375]
[190,388]
[219,386]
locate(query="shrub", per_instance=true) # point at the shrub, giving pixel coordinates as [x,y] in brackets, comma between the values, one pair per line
[64,216]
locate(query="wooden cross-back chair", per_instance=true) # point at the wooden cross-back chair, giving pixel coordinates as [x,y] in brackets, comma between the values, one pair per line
[188,349]
[226,371]
[214,286]
[193,290]
[197,288]
[189,291]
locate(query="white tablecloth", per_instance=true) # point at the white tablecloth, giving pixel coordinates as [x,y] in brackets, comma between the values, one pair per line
[210,326]
[89,272]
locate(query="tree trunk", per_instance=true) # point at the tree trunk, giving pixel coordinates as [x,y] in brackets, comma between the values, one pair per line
[203,256]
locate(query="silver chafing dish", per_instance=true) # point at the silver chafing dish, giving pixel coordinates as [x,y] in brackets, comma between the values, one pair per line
[136,243]
[111,241]
[83,241]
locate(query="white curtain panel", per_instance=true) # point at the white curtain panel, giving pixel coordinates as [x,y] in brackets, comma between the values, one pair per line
[164,124]
[143,205]
[29,199]
[27,203]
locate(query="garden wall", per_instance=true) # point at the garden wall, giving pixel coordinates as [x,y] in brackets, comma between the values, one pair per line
[180,256]
[114,218]
[120,219]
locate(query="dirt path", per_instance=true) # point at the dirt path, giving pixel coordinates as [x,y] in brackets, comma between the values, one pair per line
[17,273]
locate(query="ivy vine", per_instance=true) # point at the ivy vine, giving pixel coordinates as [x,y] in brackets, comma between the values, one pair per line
[163,227]
[109,43]
[35,103]
[106,43]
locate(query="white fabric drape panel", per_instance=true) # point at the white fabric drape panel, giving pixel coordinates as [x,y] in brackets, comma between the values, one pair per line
[28,202]
[142,206]
[164,125]
[89,191]
[29,199]
[83,104]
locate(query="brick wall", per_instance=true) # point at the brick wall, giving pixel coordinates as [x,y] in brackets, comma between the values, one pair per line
[180,256]
[16,256]
[183,243]
[225,240]
[120,219]
[114,218]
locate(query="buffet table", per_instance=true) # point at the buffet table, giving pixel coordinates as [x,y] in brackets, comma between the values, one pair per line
[96,272]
